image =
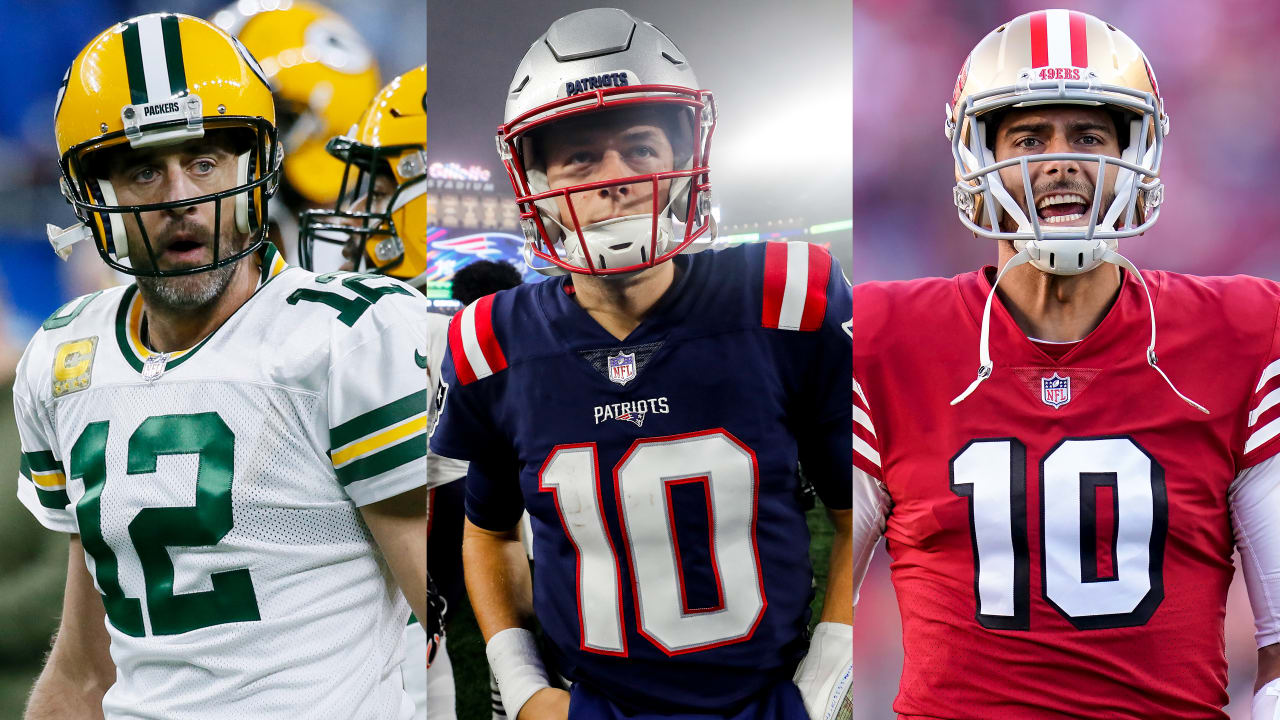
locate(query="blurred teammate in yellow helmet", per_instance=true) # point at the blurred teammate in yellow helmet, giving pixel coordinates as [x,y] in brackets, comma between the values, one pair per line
[323,76]
[380,217]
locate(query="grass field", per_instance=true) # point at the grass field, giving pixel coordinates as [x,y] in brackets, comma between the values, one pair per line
[466,648]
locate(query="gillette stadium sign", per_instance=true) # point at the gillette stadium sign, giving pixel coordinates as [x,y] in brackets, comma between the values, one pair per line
[456,176]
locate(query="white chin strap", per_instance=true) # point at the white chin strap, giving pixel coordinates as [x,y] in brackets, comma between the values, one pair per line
[984,342]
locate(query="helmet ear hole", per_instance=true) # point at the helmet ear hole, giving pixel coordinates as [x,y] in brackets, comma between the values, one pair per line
[243,201]
[112,224]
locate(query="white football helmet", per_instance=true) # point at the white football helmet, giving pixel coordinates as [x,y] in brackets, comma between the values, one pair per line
[1057,57]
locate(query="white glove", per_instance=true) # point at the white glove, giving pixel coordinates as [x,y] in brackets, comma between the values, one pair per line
[825,676]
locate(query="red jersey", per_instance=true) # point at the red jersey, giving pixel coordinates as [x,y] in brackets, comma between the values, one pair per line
[1060,540]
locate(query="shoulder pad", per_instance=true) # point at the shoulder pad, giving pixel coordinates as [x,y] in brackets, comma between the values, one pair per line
[795,285]
[474,343]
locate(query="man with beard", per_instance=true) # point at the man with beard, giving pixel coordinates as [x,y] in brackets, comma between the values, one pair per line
[235,447]
[1062,528]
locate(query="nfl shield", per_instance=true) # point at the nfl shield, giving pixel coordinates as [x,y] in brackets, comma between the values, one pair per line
[622,368]
[1055,391]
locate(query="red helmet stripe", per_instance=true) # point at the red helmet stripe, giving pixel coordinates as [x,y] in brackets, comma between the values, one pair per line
[1039,39]
[1079,41]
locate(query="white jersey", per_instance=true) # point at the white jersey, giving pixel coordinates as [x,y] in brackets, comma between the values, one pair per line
[217,492]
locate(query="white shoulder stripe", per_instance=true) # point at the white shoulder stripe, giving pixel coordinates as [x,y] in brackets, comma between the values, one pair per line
[1267,403]
[471,344]
[1262,435]
[1272,370]
[797,287]
[861,447]
[863,419]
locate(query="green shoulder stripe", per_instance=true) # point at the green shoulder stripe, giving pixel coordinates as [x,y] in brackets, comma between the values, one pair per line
[39,461]
[378,418]
[65,314]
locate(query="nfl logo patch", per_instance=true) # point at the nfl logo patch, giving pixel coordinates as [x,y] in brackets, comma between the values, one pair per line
[622,368]
[1055,391]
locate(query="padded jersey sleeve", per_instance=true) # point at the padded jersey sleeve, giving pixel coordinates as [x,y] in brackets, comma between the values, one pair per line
[1262,426]
[466,427]
[42,481]
[377,398]
[823,433]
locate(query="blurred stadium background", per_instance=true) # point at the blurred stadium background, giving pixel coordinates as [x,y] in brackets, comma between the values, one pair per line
[781,76]
[33,282]
[1215,64]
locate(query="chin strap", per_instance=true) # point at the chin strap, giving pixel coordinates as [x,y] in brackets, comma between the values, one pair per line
[987,366]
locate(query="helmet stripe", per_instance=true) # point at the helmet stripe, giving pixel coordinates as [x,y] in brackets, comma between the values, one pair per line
[1039,39]
[133,64]
[1079,40]
[155,66]
[1058,30]
[173,55]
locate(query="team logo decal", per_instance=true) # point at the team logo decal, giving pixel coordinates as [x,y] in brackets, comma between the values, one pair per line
[622,368]
[632,411]
[73,365]
[1055,391]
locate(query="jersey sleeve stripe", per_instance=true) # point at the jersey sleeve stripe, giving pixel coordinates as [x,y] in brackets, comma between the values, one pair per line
[775,281]
[861,417]
[864,449]
[1262,435]
[385,460]
[1271,371]
[379,419]
[1268,401]
[476,352]
[815,294]
[795,286]
[379,441]
[49,481]
[41,461]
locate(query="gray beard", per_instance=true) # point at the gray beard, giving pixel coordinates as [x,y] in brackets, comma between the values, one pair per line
[187,292]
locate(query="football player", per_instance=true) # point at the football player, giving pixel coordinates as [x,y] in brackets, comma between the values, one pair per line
[235,447]
[649,406]
[379,221]
[1062,528]
[323,75]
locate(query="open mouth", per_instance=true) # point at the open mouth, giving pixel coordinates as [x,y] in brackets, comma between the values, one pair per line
[184,250]
[1062,209]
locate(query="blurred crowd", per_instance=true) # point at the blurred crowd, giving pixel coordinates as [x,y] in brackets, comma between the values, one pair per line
[1215,65]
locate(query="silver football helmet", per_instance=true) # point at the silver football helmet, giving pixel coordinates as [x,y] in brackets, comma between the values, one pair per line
[596,61]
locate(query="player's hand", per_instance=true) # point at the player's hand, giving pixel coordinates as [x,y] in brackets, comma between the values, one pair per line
[546,704]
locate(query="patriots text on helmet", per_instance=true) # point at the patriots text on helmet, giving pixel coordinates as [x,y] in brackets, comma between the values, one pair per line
[595,82]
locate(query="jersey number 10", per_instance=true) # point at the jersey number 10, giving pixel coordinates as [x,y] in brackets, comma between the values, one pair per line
[992,475]
[642,480]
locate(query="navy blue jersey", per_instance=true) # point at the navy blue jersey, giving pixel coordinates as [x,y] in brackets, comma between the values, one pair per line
[661,471]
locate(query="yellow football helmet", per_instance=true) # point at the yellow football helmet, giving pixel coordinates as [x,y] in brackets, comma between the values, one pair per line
[156,80]
[323,76]
[387,236]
